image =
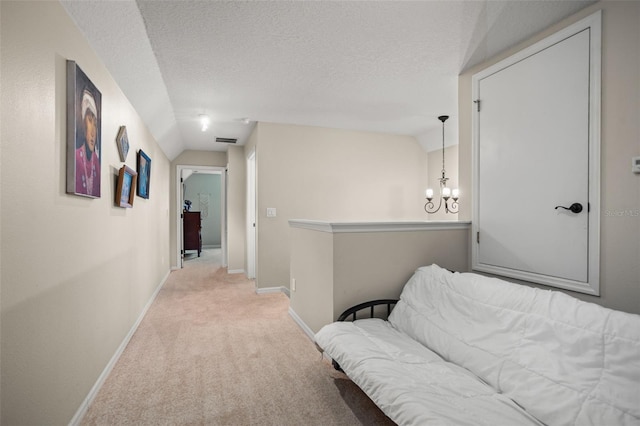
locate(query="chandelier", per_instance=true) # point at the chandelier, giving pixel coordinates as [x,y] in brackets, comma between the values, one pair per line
[448,197]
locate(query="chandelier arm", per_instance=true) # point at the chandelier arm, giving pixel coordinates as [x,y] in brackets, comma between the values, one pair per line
[453,208]
[429,206]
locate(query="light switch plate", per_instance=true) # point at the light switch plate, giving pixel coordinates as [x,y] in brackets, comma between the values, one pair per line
[635,164]
[271,212]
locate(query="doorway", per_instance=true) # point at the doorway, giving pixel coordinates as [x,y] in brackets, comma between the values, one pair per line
[205,201]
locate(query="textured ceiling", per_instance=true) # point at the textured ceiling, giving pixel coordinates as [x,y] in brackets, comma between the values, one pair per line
[382,66]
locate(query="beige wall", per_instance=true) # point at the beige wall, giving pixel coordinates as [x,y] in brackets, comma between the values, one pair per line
[620,141]
[334,271]
[434,167]
[311,264]
[236,208]
[376,265]
[187,158]
[76,272]
[329,174]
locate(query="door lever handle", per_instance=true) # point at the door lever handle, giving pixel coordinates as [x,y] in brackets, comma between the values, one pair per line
[575,208]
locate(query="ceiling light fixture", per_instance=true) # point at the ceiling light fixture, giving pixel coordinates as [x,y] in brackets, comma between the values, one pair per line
[204,121]
[446,193]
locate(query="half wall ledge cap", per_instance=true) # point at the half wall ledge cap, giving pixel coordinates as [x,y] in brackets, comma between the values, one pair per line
[392,226]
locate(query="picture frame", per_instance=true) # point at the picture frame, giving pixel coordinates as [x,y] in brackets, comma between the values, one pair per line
[125,193]
[144,174]
[122,140]
[84,135]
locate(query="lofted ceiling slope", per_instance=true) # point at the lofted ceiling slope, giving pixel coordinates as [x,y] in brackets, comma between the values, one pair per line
[380,66]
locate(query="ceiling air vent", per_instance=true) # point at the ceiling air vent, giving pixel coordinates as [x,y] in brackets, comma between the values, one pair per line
[226,140]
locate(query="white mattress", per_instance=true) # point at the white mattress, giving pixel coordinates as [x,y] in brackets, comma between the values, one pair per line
[466,349]
[411,384]
[567,361]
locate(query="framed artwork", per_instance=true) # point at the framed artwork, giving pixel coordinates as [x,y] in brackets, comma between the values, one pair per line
[127,178]
[144,174]
[84,119]
[122,140]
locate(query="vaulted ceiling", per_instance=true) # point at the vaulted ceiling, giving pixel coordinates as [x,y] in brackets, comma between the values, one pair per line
[381,66]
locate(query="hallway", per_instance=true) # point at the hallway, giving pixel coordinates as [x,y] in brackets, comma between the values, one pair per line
[211,351]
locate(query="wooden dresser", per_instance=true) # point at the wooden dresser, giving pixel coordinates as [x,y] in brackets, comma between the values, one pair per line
[191,231]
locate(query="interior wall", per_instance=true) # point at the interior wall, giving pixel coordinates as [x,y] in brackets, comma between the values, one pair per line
[376,265]
[76,272]
[204,191]
[334,271]
[620,141]
[187,158]
[312,266]
[329,174]
[434,167]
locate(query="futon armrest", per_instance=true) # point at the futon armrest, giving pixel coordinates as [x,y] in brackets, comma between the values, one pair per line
[352,311]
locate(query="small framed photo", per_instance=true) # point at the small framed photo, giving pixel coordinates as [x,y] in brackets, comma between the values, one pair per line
[122,140]
[127,178]
[84,118]
[144,174]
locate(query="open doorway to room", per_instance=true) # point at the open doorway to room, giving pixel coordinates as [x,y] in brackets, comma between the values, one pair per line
[201,203]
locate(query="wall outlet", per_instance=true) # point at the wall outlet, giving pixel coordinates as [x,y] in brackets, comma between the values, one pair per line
[271,212]
[293,284]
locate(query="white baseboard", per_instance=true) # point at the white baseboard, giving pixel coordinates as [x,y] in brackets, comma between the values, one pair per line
[211,246]
[310,334]
[235,271]
[84,407]
[267,290]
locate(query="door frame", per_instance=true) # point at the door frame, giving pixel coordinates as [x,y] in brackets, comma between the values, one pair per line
[593,23]
[223,209]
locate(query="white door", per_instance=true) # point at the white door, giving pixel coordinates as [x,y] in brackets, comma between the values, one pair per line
[533,147]
[181,221]
[251,216]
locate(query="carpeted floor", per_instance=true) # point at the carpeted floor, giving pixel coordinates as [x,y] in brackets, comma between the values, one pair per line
[212,352]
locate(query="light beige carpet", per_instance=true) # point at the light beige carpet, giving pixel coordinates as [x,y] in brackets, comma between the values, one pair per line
[212,352]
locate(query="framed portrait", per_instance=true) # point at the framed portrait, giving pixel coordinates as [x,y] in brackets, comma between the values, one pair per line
[84,119]
[125,188]
[144,174]
[122,140]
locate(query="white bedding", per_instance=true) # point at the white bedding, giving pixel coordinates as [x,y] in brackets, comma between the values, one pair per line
[569,362]
[566,361]
[411,384]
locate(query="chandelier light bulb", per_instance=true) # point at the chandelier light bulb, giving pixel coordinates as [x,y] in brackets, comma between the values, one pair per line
[429,193]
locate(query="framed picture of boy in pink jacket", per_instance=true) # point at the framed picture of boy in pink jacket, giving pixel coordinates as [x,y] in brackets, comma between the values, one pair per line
[84,118]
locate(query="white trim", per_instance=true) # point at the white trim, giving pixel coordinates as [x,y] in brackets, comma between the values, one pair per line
[310,334]
[84,407]
[355,227]
[592,22]
[268,290]
[235,271]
